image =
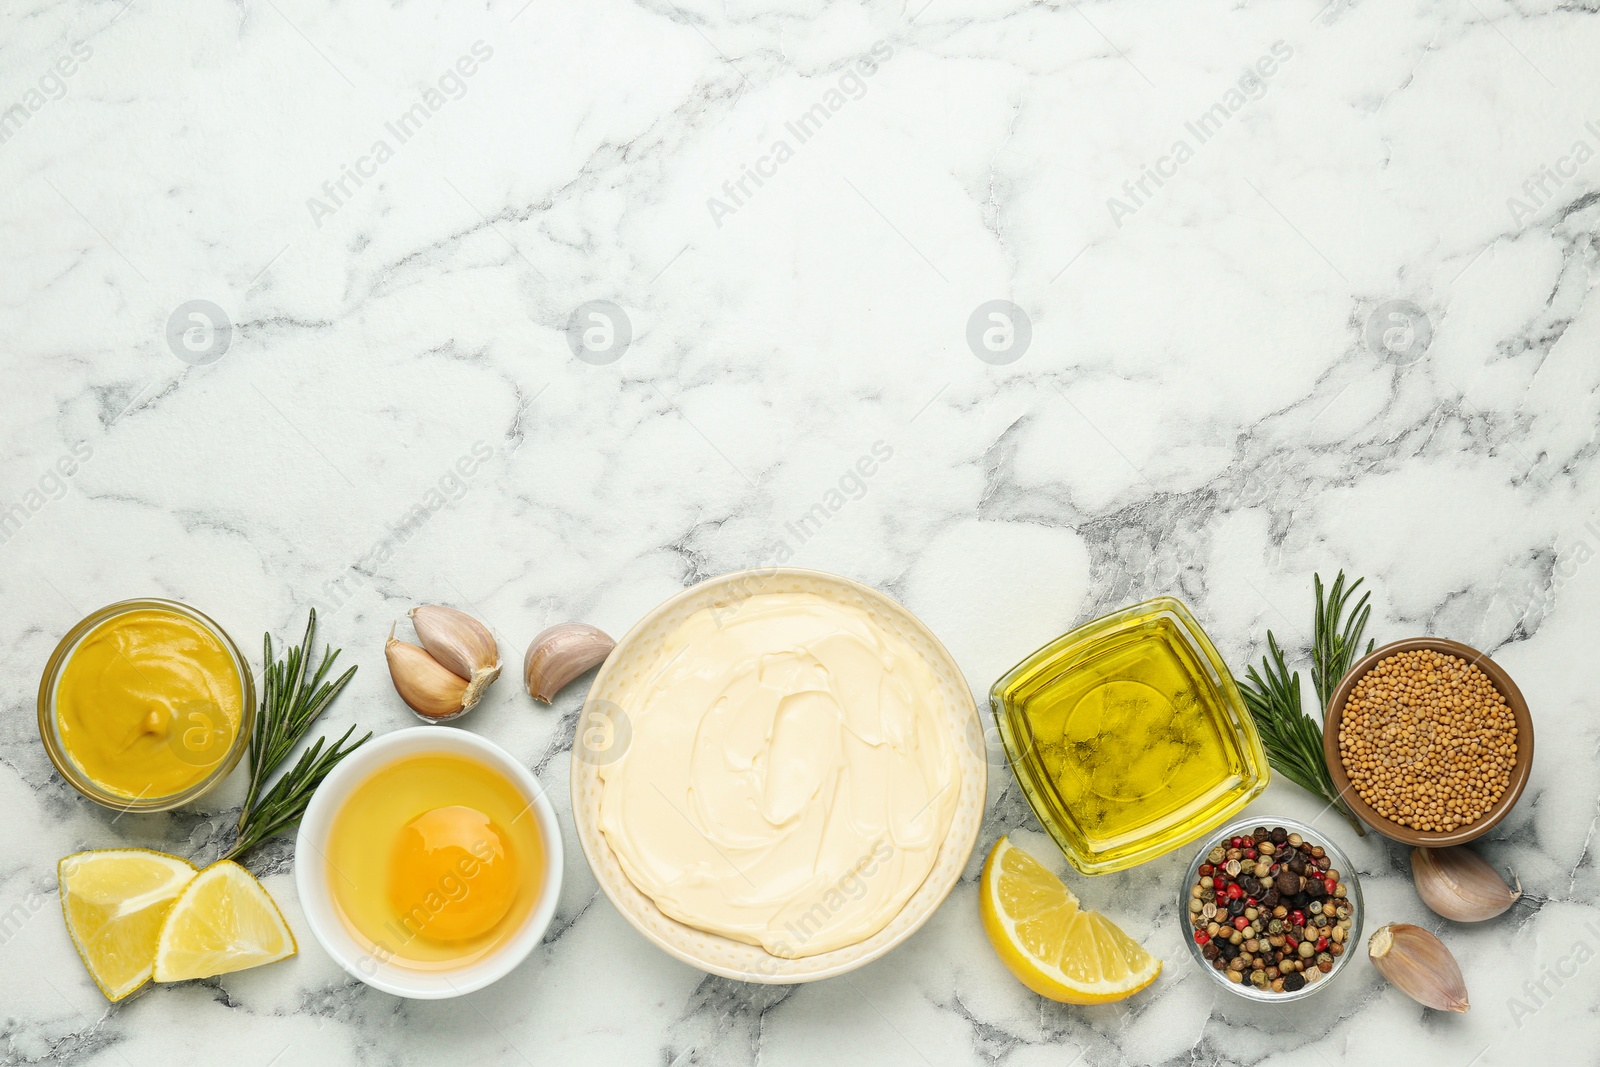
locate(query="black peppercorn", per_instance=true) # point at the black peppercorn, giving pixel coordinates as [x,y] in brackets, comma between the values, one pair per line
[1293,885]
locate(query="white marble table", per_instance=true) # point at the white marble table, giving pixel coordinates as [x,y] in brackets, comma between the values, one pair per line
[1304,288]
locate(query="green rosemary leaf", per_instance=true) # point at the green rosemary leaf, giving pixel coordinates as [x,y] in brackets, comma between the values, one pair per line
[290,703]
[1333,646]
[1293,739]
[286,801]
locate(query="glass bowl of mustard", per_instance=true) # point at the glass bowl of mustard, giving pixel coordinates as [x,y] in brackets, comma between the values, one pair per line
[1129,737]
[146,705]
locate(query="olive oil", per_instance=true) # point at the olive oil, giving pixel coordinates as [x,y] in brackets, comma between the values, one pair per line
[1129,737]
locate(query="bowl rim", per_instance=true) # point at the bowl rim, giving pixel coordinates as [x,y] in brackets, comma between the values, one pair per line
[1035,782]
[770,969]
[316,901]
[1341,863]
[1520,770]
[67,767]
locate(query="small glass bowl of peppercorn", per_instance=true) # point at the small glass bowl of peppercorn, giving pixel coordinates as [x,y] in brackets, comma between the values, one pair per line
[1272,909]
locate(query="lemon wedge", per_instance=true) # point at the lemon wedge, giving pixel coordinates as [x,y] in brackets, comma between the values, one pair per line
[1055,947]
[114,901]
[224,921]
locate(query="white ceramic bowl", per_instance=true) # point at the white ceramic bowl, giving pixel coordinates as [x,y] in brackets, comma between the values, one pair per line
[721,955]
[311,865]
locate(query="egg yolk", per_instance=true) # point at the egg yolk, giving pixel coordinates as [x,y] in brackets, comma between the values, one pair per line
[452,875]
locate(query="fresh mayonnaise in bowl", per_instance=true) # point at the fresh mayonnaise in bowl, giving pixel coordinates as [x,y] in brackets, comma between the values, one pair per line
[778,775]
[788,782]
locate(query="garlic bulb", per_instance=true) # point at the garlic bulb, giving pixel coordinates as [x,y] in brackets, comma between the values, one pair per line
[560,654]
[1417,963]
[1459,884]
[434,693]
[461,644]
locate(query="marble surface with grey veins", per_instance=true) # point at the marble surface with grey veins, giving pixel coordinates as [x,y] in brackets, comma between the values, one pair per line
[550,309]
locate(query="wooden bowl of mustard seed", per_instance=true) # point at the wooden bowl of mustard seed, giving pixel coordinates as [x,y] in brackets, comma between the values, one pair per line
[1428,741]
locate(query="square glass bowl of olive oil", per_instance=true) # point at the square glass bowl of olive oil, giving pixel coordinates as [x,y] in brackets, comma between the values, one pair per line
[1129,737]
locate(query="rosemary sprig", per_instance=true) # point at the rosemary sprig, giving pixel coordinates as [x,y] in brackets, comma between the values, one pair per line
[286,801]
[290,704]
[1333,648]
[1293,739]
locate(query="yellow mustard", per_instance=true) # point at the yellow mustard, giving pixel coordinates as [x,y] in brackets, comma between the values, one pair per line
[148,704]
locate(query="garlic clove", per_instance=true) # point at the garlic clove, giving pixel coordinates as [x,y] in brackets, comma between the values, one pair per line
[1418,964]
[434,693]
[460,644]
[1460,884]
[561,653]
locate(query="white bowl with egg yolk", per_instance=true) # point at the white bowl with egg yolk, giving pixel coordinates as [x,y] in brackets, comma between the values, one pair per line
[313,873]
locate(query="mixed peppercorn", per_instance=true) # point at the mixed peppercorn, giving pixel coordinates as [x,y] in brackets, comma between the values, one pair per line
[1269,909]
